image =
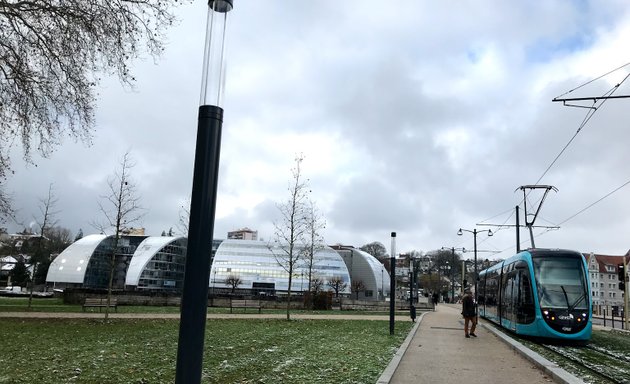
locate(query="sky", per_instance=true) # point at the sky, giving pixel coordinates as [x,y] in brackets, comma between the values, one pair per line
[415,117]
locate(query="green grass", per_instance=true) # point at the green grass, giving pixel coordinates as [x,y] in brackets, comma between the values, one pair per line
[236,351]
[20,304]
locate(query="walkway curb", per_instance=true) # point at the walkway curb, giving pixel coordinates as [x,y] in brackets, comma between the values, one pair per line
[387,374]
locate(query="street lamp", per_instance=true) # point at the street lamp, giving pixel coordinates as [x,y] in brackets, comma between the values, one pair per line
[203,199]
[453,249]
[474,232]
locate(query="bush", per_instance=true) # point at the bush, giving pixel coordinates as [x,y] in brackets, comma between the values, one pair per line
[322,301]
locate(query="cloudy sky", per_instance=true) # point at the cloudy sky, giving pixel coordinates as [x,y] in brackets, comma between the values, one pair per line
[413,116]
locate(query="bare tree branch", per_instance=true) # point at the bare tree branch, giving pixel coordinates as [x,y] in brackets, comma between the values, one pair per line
[184,217]
[120,207]
[291,230]
[315,241]
[52,54]
[45,221]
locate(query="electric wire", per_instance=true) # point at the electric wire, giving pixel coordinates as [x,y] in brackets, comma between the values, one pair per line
[594,203]
[593,80]
[589,115]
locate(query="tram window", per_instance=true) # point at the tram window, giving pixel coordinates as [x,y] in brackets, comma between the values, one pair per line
[526,311]
[561,282]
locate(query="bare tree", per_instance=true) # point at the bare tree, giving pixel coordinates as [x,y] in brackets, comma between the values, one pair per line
[121,207]
[377,250]
[290,231]
[184,217]
[45,221]
[337,284]
[315,241]
[357,287]
[52,54]
[57,238]
[233,281]
[6,212]
[316,284]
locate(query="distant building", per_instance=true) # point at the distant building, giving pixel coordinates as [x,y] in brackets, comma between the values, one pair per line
[366,268]
[243,234]
[141,263]
[259,267]
[156,264]
[603,271]
[7,263]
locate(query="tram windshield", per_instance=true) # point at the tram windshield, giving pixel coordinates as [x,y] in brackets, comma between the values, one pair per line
[561,282]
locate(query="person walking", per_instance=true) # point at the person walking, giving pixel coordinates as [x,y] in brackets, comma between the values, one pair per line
[469,311]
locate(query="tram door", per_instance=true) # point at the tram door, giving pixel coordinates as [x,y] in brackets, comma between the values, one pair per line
[525,311]
[507,297]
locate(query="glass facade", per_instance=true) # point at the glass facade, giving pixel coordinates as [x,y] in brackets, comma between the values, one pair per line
[165,270]
[263,267]
[98,268]
[140,263]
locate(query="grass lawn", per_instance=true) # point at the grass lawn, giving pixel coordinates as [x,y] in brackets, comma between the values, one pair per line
[19,304]
[236,351]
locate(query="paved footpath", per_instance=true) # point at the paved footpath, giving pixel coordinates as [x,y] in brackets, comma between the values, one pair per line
[438,353]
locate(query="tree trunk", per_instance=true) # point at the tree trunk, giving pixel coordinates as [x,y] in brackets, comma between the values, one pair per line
[112,267]
[289,295]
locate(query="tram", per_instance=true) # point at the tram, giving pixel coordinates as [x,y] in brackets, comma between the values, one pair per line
[541,293]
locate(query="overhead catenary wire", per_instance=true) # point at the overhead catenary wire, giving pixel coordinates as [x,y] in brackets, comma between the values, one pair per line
[594,203]
[592,80]
[589,115]
[573,215]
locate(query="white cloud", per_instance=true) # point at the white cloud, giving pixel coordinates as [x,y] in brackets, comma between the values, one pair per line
[419,118]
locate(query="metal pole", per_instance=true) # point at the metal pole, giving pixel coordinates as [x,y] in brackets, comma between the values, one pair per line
[411,283]
[392,285]
[518,231]
[626,291]
[194,305]
[475,237]
[452,275]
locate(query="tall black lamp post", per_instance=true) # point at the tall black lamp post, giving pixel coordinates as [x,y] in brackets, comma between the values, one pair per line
[203,200]
[474,232]
[392,285]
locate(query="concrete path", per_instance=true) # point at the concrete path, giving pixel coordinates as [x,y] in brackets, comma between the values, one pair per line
[438,353]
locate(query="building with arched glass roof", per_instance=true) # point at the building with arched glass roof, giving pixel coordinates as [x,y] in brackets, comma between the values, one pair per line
[151,263]
[259,266]
[141,263]
[368,270]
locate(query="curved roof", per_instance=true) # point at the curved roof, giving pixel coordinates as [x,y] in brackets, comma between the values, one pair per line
[366,268]
[257,262]
[70,265]
[143,254]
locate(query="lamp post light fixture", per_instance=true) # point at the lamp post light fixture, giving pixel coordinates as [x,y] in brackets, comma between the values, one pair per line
[474,232]
[203,199]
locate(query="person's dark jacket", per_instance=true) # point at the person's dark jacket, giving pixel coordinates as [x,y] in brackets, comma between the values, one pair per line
[468,306]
